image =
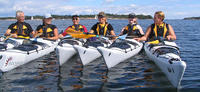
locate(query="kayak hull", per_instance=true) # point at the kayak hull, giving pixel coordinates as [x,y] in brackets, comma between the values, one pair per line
[12,58]
[113,56]
[87,55]
[169,63]
[66,50]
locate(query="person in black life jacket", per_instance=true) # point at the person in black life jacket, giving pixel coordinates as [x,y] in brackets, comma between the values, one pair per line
[47,30]
[102,27]
[132,29]
[158,29]
[20,29]
[76,27]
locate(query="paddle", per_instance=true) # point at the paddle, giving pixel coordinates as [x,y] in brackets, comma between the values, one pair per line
[154,42]
[7,37]
[82,35]
[122,36]
[36,36]
[159,40]
[71,30]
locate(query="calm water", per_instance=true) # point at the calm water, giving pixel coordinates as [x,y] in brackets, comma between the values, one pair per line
[134,74]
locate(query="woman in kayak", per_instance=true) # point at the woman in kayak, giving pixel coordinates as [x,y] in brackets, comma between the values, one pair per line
[76,27]
[158,29]
[102,27]
[20,29]
[47,30]
[132,29]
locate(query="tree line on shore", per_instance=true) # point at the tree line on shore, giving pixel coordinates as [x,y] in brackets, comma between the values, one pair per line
[111,16]
[189,18]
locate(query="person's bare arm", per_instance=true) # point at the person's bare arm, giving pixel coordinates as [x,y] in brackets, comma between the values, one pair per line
[121,33]
[91,31]
[8,33]
[140,29]
[171,35]
[144,38]
[55,34]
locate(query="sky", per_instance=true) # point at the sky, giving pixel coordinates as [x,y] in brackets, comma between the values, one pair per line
[173,9]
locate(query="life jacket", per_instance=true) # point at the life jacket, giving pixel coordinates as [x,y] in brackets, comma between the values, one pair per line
[21,30]
[46,31]
[102,29]
[159,31]
[77,27]
[132,30]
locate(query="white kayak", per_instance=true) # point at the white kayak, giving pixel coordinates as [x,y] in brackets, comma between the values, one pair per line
[65,49]
[88,52]
[119,51]
[24,53]
[10,43]
[166,57]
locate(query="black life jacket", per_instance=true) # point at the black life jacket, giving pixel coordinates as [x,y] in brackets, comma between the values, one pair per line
[158,31]
[21,30]
[102,29]
[77,27]
[132,31]
[46,31]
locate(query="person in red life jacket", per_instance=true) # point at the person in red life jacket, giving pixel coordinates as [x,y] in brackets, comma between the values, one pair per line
[158,29]
[132,30]
[76,27]
[20,29]
[47,30]
[102,27]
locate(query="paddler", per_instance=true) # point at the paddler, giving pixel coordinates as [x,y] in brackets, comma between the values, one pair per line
[158,30]
[133,29]
[47,29]
[75,28]
[20,29]
[102,27]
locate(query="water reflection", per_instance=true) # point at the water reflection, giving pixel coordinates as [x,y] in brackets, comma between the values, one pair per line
[47,73]
[135,74]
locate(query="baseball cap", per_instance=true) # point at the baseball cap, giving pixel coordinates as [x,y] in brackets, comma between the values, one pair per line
[101,14]
[46,16]
[132,15]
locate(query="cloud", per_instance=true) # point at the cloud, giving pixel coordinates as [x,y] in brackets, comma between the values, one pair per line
[108,1]
[69,7]
[133,5]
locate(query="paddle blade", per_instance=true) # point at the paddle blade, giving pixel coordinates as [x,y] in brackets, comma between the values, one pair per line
[154,42]
[38,34]
[122,36]
[67,36]
[85,36]
[71,30]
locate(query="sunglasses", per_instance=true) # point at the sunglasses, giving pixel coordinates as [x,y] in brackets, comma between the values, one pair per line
[101,16]
[75,19]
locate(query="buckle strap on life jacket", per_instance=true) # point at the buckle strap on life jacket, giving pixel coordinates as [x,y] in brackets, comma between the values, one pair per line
[77,27]
[44,29]
[21,30]
[165,29]
[104,29]
[131,28]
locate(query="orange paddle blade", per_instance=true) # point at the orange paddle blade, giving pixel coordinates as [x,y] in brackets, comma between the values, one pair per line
[85,36]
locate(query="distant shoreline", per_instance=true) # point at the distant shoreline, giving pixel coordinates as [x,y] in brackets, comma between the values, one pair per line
[192,18]
[110,16]
[70,19]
